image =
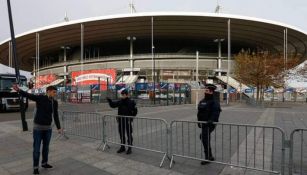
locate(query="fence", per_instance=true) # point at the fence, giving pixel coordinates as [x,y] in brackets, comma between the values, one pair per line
[246,146]
[147,133]
[298,155]
[286,96]
[89,125]
[164,94]
[260,148]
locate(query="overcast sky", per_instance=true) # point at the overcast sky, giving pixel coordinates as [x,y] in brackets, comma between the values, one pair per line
[32,14]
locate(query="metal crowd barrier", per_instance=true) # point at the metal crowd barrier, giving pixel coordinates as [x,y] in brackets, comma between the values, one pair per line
[298,155]
[147,133]
[89,125]
[260,148]
[252,147]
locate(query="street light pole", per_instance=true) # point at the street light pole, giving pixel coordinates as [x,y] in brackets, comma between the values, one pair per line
[131,39]
[16,65]
[65,66]
[285,61]
[82,47]
[197,61]
[37,60]
[153,60]
[219,63]
[229,55]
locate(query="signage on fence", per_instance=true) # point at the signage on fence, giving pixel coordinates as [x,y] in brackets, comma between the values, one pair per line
[95,87]
[141,86]
[120,86]
[232,90]
[289,89]
[269,90]
[171,86]
[163,85]
[150,86]
[248,90]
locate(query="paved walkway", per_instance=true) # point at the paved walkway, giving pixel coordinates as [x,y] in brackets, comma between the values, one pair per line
[72,156]
[79,156]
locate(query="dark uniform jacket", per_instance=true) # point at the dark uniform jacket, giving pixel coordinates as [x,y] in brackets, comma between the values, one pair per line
[44,109]
[208,110]
[126,107]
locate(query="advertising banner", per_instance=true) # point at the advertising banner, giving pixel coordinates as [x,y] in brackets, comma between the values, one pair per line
[45,79]
[91,77]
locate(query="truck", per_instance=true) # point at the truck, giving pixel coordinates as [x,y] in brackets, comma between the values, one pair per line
[9,99]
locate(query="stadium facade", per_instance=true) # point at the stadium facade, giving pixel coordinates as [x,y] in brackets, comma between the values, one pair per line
[165,41]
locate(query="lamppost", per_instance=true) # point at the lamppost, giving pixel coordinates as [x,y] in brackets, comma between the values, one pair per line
[131,39]
[228,57]
[219,63]
[34,71]
[65,48]
[154,73]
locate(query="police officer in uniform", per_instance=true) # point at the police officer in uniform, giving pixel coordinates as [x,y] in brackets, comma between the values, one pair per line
[208,111]
[126,107]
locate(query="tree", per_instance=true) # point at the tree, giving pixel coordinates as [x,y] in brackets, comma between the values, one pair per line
[262,69]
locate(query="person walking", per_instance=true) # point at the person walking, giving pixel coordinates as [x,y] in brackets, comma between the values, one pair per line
[126,107]
[46,109]
[208,111]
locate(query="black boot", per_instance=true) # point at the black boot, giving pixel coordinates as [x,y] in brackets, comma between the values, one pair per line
[47,166]
[121,149]
[129,151]
[35,171]
[207,162]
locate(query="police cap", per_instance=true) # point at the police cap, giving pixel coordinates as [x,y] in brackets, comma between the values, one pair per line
[124,91]
[212,87]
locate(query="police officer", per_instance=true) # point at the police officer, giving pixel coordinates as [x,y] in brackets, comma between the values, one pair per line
[208,111]
[126,107]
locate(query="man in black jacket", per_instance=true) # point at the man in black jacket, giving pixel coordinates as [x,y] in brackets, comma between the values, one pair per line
[126,107]
[208,111]
[46,108]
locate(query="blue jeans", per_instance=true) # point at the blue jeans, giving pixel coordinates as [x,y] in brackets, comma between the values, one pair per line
[38,137]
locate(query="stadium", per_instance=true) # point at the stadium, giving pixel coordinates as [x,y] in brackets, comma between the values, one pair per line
[179,47]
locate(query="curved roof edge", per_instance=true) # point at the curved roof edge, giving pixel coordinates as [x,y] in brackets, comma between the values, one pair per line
[142,14]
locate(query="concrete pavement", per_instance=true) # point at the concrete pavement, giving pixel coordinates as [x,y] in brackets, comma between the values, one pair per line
[78,155]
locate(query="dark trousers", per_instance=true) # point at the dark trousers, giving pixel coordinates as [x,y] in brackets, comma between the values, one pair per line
[40,136]
[125,125]
[206,139]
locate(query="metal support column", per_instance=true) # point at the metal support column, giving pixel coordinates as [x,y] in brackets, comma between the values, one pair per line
[197,65]
[37,60]
[229,55]
[82,47]
[153,61]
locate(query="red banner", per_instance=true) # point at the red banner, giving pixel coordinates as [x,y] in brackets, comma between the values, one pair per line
[91,77]
[45,79]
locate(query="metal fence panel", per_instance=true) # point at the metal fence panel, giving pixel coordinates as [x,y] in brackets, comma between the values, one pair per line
[83,124]
[246,146]
[298,154]
[147,133]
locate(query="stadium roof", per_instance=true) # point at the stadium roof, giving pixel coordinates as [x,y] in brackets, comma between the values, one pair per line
[244,30]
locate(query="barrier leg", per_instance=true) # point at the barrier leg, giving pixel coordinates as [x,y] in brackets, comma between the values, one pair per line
[162,161]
